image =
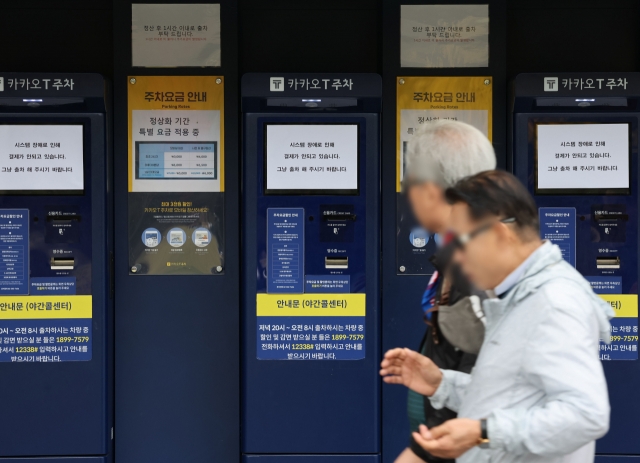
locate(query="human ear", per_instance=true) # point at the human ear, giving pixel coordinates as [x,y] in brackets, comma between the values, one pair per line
[506,234]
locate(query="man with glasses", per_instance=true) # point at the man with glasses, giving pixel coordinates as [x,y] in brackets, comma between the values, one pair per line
[538,391]
[438,155]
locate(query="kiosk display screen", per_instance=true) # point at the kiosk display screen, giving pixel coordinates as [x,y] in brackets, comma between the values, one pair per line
[582,158]
[311,159]
[41,159]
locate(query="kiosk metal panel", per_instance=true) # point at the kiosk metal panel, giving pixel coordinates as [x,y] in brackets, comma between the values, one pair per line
[575,146]
[55,292]
[311,267]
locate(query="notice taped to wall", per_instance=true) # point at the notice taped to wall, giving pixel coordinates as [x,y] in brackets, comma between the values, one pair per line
[582,156]
[312,157]
[180,35]
[43,158]
[444,36]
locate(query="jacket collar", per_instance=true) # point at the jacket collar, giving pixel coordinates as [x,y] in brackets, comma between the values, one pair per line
[543,257]
[540,270]
[522,282]
[514,277]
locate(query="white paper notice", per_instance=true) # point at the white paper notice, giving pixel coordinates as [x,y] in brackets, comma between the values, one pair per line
[41,157]
[312,157]
[444,36]
[583,156]
[175,35]
[411,120]
[175,150]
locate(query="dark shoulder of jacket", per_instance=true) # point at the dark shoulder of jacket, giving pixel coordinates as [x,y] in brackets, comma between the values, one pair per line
[459,286]
[442,257]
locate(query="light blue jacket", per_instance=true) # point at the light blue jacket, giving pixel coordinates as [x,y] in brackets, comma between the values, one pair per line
[538,379]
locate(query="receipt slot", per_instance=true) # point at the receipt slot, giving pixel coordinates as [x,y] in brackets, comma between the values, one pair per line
[55,300]
[311,267]
[575,146]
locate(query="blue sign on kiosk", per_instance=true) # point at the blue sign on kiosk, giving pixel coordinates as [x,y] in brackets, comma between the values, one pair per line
[311,255]
[558,225]
[285,250]
[575,146]
[55,254]
[14,251]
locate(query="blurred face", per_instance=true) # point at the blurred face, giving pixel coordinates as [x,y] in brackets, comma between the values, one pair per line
[427,203]
[484,258]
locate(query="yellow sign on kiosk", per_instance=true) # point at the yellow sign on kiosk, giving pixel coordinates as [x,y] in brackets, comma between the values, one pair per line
[425,99]
[176,175]
[311,305]
[624,305]
[173,110]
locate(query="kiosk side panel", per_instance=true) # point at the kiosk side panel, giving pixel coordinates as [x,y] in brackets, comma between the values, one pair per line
[576,149]
[177,333]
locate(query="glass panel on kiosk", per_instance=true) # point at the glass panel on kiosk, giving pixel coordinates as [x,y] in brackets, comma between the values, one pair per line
[311,170]
[580,173]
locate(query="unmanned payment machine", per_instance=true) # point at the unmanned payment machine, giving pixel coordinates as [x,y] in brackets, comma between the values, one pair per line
[575,146]
[311,267]
[55,269]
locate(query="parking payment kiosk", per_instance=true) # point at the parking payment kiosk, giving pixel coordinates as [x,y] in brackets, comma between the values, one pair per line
[55,296]
[575,146]
[311,267]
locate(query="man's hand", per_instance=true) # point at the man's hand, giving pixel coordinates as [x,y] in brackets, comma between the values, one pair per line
[451,439]
[417,372]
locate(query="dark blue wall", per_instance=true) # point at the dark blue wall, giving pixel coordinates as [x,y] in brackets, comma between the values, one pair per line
[177,337]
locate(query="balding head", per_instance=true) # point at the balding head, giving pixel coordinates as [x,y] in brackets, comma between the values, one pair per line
[445,151]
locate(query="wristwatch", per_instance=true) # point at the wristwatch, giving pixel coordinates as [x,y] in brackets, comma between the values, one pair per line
[483,440]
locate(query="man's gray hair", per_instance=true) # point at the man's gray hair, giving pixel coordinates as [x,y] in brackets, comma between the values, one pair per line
[446,151]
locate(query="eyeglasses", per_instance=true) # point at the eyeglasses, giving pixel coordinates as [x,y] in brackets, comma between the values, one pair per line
[460,241]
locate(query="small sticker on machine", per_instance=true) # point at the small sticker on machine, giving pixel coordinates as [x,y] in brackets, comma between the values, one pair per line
[558,225]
